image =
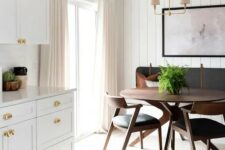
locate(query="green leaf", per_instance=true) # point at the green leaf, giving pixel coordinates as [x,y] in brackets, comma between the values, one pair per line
[172,79]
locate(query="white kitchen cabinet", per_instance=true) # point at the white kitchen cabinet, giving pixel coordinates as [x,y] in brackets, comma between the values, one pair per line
[20,136]
[8,21]
[22,127]
[24,21]
[33,21]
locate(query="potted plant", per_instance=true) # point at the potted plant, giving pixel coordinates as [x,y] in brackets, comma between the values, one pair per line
[10,82]
[172,79]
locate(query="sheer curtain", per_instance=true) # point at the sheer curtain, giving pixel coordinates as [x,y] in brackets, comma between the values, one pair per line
[106,59]
[53,57]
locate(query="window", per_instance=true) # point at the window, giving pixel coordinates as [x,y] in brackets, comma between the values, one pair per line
[82,33]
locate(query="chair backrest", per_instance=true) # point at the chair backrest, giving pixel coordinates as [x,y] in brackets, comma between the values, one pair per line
[208,108]
[116,101]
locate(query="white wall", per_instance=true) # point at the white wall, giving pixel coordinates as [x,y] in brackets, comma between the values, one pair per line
[142,40]
[15,55]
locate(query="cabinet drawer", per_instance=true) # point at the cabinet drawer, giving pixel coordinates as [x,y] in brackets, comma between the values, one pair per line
[17,113]
[54,126]
[65,145]
[55,103]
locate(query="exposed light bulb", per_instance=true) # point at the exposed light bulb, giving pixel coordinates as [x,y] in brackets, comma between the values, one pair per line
[155,2]
[185,2]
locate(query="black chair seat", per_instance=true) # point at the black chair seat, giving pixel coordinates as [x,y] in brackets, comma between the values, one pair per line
[142,119]
[203,127]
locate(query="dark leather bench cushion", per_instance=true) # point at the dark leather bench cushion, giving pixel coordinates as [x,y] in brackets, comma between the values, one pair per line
[213,78]
[203,127]
[192,77]
[142,119]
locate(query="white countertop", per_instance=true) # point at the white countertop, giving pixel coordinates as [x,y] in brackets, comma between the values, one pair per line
[30,94]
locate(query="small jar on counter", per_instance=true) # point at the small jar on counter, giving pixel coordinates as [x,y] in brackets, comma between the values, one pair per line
[21,74]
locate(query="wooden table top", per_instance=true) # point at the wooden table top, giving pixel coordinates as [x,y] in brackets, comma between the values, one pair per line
[187,96]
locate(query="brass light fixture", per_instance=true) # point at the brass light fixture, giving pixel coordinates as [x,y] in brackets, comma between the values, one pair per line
[170,12]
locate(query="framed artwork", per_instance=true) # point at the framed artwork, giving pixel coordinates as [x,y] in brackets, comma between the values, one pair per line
[200,32]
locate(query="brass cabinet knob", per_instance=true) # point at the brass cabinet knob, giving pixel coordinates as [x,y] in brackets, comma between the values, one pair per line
[9,133]
[7,116]
[19,41]
[57,103]
[6,134]
[24,41]
[12,132]
[57,120]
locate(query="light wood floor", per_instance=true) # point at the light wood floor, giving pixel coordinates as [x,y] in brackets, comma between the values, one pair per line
[95,142]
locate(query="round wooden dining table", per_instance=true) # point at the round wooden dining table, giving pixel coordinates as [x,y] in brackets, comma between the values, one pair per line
[171,112]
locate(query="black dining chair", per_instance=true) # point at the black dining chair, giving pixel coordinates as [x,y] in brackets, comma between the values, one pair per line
[203,129]
[131,123]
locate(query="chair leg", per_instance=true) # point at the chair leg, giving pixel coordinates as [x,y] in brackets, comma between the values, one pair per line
[168,137]
[173,139]
[208,144]
[108,136]
[189,130]
[126,140]
[160,138]
[192,144]
[141,139]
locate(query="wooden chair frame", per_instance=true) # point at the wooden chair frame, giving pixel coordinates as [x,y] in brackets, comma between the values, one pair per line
[206,108]
[120,103]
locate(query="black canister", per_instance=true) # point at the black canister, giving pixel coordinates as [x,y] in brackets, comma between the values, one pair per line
[21,71]
[21,74]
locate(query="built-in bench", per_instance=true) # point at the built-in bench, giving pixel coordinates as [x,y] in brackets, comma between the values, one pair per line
[209,78]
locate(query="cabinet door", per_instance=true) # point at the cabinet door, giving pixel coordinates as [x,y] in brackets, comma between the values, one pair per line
[24,137]
[8,18]
[3,139]
[33,21]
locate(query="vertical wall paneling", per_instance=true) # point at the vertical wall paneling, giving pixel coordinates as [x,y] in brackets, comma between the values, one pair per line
[143,27]
[120,28]
[195,62]
[135,40]
[151,36]
[205,2]
[127,44]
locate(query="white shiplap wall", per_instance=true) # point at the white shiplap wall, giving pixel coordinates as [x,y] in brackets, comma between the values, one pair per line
[142,40]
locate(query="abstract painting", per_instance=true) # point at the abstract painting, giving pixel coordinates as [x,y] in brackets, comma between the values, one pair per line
[200,32]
